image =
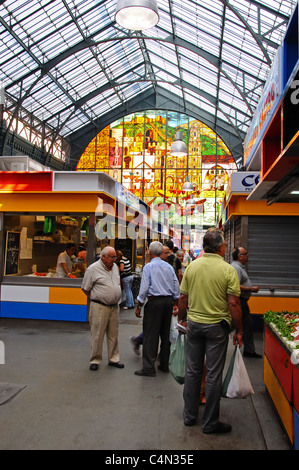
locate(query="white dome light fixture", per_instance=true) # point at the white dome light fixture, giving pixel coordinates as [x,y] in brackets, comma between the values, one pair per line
[137,15]
[179,148]
[190,202]
[187,186]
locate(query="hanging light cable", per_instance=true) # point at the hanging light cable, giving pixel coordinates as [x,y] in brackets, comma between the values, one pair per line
[137,15]
[179,149]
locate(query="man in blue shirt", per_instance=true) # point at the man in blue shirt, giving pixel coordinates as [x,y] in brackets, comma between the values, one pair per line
[160,286]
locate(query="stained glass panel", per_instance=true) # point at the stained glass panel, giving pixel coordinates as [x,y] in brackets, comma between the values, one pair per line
[135,151]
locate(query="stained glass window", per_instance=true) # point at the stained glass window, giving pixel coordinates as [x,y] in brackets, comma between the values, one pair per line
[135,151]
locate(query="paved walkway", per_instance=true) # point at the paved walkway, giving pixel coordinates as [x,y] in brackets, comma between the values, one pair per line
[49,399]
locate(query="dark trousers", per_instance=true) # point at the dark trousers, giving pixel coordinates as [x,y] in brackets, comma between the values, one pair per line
[156,325]
[205,341]
[247,327]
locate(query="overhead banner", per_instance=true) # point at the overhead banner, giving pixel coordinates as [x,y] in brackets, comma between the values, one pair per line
[272,92]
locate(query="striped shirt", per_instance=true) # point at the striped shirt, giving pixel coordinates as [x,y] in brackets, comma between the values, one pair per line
[127,267]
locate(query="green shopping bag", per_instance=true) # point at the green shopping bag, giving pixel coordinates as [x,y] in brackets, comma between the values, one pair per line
[177,359]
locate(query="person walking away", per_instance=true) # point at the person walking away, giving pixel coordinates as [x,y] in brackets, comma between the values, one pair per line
[101,283]
[126,278]
[240,258]
[137,341]
[160,287]
[210,291]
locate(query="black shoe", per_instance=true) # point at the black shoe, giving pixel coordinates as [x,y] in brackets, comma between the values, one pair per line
[253,354]
[94,366]
[145,373]
[190,423]
[163,369]
[118,364]
[220,428]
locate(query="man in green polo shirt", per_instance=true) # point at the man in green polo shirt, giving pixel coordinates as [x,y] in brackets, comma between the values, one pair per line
[210,291]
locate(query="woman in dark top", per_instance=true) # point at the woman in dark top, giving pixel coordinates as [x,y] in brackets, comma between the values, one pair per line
[126,278]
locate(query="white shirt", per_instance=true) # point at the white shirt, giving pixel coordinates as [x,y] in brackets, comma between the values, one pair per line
[102,284]
[63,258]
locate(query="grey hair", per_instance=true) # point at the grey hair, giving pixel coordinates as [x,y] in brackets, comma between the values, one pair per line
[156,248]
[212,241]
[106,250]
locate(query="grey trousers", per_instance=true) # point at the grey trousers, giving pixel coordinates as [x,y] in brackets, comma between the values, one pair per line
[205,341]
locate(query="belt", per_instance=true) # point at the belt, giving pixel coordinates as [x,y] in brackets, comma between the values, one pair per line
[159,297]
[102,303]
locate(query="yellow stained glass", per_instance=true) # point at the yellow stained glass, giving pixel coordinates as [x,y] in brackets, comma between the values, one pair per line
[135,151]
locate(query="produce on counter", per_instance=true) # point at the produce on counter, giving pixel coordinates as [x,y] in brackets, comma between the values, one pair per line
[286,324]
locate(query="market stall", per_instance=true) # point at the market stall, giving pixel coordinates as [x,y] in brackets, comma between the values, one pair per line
[263,230]
[281,368]
[41,212]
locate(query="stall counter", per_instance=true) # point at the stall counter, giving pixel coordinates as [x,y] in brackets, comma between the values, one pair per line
[281,377]
[43,298]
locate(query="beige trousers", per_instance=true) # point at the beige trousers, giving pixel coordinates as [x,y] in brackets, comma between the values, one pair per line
[103,320]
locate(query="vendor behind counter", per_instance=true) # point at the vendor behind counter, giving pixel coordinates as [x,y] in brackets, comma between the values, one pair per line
[66,262]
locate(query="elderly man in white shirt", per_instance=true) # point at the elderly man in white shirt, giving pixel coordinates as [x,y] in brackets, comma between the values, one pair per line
[101,283]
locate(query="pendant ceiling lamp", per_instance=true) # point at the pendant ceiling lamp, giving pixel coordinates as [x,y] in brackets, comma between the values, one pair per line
[137,14]
[191,202]
[187,186]
[179,148]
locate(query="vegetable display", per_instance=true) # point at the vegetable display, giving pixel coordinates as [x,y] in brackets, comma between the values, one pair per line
[286,324]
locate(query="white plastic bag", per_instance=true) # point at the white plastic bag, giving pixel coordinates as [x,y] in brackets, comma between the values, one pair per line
[237,383]
[173,333]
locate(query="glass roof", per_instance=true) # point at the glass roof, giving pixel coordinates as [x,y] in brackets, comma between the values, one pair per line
[69,64]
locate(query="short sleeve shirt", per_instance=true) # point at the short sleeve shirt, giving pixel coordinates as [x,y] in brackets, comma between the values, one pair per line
[102,284]
[243,278]
[63,258]
[207,281]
